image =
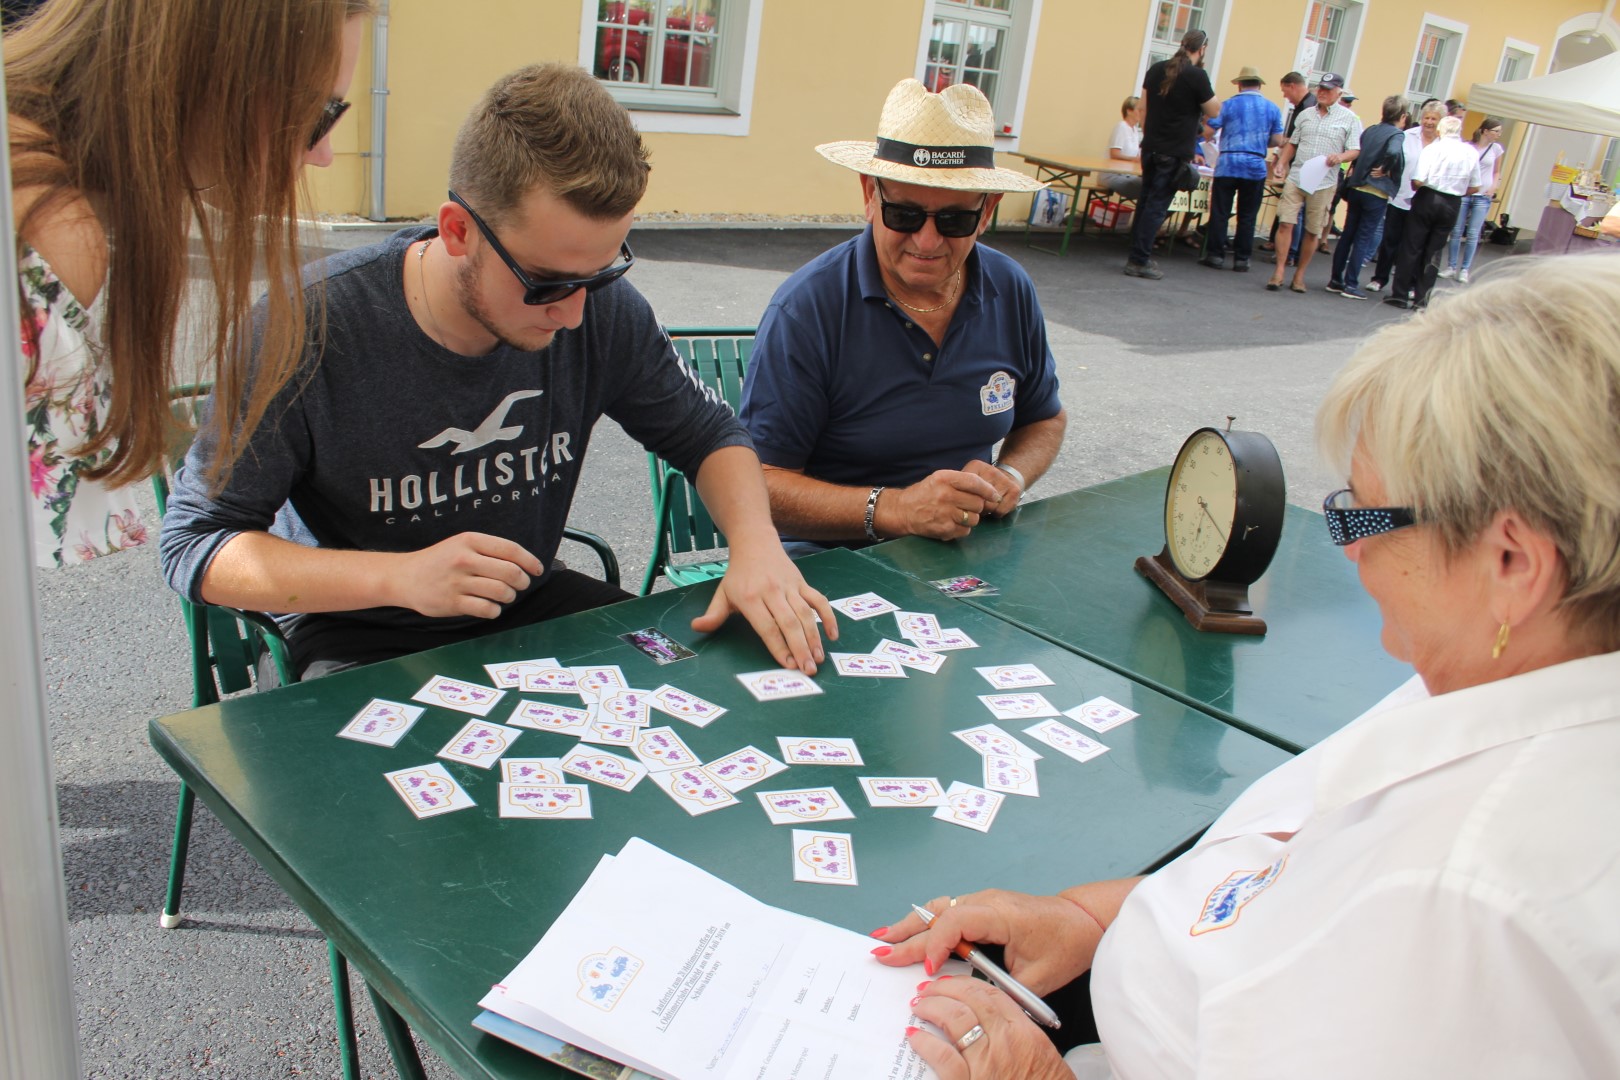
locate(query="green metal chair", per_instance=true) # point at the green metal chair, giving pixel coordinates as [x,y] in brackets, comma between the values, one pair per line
[719,357]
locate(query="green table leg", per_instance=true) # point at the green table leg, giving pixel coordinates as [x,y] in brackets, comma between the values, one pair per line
[401,1046]
[348,1047]
[169,918]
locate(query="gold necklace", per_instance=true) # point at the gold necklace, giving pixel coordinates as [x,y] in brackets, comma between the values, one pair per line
[421,276]
[949,300]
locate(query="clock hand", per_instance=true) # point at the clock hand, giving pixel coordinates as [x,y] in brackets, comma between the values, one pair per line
[1217,525]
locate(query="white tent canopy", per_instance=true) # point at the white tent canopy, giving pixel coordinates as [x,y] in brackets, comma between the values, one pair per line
[1583,98]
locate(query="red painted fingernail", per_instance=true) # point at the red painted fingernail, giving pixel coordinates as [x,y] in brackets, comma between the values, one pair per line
[882,950]
[910,1031]
[928,966]
[944,977]
[879,932]
[913,1002]
[924,985]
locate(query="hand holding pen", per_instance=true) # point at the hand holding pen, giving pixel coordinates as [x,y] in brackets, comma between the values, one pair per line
[1026,998]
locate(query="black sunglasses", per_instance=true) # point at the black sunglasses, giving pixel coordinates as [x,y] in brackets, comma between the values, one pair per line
[536,293]
[335,108]
[1347,524]
[953,224]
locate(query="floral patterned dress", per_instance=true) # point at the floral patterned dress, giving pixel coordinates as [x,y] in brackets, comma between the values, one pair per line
[74,519]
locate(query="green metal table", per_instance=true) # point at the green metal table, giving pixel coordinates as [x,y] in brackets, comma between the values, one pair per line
[1065,568]
[432,912]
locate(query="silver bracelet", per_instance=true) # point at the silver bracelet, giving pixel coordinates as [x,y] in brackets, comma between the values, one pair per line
[1016,475]
[871,514]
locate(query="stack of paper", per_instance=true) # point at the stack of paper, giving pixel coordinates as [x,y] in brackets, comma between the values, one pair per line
[666,968]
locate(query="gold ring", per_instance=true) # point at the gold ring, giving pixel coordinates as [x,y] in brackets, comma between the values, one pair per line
[964,519]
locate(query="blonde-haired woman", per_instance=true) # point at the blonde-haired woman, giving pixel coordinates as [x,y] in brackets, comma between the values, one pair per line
[131,123]
[1430,891]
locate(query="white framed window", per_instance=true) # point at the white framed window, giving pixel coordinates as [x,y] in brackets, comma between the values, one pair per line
[1170,20]
[986,43]
[677,65]
[1434,64]
[1330,37]
[1518,60]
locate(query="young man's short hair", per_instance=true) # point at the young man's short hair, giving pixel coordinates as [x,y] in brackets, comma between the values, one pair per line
[1293,78]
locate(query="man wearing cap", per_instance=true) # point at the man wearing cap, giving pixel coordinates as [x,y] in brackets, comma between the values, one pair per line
[1330,131]
[886,370]
[1250,126]
[1178,95]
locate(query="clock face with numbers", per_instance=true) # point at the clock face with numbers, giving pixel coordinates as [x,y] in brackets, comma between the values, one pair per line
[1224,506]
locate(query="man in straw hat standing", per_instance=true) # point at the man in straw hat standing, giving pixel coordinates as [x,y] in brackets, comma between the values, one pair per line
[1250,126]
[887,369]
[1178,95]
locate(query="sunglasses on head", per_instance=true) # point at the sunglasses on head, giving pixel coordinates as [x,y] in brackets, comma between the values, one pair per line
[953,224]
[1347,524]
[536,293]
[335,108]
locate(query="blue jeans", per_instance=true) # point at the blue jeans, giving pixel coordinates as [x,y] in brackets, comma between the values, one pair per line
[1159,172]
[1248,194]
[1363,229]
[1470,223]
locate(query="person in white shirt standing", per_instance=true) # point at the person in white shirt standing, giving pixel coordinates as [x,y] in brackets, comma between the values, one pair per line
[1328,131]
[1447,170]
[1476,208]
[1126,145]
[1431,891]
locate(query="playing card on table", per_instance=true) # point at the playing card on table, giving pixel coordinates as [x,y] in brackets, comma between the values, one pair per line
[910,656]
[532,770]
[694,790]
[966,805]
[946,640]
[1099,714]
[593,682]
[428,790]
[819,751]
[1010,774]
[683,706]
[867,666]
[660,749]
[628,706]
[480,743]
[462,696]
[543,716]
[744,767]
[603,767]
[1014,676]
[662,648]
[381,723]
[1018,706]
[965,585]
[778,683]
[545,801]
[510,675]
[863,606]
[806,804]
[609,732]
[552,679]
[823,858]
[1065,740]
[989,739]
[902,791]
[917,624]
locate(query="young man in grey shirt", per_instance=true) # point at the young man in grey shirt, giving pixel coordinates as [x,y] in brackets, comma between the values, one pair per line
[432,442]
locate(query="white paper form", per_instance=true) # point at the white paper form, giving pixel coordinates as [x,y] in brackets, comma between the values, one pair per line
[679,974]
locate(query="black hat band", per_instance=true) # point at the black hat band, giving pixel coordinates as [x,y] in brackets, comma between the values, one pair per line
[935,157]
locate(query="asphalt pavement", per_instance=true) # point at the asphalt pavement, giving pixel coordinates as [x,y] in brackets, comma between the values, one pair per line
[240,989]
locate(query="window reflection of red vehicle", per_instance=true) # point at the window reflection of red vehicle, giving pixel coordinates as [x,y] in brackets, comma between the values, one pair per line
[621,53]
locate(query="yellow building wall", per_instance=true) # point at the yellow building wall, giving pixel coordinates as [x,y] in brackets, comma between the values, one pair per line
[823,70]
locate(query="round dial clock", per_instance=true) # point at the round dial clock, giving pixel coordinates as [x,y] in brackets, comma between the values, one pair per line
[1223,508]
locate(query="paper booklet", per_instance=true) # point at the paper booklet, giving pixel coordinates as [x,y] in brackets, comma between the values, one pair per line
[666,968]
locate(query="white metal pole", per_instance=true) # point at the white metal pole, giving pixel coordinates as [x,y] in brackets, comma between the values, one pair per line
[38,1037]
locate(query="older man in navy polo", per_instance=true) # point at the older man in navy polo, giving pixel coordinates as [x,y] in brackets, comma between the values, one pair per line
[887,370]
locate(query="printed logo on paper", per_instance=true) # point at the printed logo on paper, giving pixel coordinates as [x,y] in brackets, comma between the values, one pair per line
[996,396]
[828,858]
[423,790]
[1225,903]
[604,977]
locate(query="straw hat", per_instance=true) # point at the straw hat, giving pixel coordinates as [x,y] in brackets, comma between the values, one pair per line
[943,140]
[1249,74]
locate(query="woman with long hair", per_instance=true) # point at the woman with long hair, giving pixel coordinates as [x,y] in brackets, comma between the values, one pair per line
[138,130]
[1476,207]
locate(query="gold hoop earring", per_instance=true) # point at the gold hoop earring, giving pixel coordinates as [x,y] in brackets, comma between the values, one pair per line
[1501,642]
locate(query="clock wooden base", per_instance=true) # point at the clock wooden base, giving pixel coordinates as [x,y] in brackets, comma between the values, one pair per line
[1217,607]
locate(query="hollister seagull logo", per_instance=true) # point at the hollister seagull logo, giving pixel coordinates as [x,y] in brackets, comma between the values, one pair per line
[489,431]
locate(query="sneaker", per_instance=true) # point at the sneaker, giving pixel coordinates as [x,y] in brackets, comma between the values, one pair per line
[1462,277]
[1334,286]
[1149,270]
[1350,292]
[1398,301]
[1375,286]
[1448,272]
[1214,262]
[1240,265]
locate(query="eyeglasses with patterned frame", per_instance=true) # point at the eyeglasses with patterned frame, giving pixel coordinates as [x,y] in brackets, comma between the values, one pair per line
[952,224]
[1347,524]
[330,115]
[537,293]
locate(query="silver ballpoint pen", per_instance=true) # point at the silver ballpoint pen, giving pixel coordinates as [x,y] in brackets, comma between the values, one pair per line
[1038,1010]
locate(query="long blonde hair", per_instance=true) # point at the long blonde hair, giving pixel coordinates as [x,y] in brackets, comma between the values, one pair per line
[161,114]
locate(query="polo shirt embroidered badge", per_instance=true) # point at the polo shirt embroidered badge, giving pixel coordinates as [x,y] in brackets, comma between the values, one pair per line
[996,396]
[1225,902]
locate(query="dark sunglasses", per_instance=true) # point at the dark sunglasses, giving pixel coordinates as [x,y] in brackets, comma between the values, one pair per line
[536,293]
[335,108]
[953,224]
[1347,524]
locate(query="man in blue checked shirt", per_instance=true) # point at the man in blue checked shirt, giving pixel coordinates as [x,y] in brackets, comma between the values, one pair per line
[1250,126]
